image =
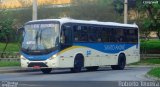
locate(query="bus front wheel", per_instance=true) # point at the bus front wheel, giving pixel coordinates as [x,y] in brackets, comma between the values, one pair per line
[121,63]
[46,70]
[78,64]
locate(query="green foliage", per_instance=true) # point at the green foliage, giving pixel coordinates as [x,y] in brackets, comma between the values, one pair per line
[12,47]
[119,6]
[147,23]
[9,63]
[6,30]
[150,45]
[155,72]
[101,10]
[149,61]
[150,13]
[104,2]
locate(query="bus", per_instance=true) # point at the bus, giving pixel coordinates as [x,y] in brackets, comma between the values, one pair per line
[77,44]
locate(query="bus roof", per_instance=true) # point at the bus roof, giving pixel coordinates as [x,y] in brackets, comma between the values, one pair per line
[68,20]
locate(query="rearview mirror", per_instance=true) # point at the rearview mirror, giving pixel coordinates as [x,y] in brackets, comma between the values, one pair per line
[20,30]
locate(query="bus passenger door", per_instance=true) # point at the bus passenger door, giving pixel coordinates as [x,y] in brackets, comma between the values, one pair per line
[66,36]
[66,58]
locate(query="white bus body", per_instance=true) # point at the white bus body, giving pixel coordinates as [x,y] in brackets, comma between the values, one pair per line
[69,43]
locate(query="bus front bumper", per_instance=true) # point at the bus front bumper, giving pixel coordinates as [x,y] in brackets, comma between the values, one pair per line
[49,63]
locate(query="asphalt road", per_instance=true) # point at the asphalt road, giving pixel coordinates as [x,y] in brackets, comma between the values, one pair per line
[37,79]
[103,74]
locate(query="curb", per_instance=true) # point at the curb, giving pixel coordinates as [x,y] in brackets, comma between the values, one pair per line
[140,66]
[18,70]
[152,77]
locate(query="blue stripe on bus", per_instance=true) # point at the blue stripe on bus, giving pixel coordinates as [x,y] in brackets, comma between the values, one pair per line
[39,57]
[107,47]
[111,48]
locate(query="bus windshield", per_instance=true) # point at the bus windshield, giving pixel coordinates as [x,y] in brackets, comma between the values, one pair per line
[40,38]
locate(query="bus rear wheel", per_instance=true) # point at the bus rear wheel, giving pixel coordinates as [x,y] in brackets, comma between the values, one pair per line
[78,64]
[93,68]
[121,63]
[46,70]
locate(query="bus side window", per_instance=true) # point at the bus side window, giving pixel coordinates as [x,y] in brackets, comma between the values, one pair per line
[76,33]
[104,33]
[119,35]
[110,35]
[92,36]
[84,34]
[99,34]
[132,35]
[80,33]
[136,35]
[107,34]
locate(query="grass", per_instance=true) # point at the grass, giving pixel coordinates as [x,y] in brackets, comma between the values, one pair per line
[150,44]
[150,61]
[155,72]
[9,63]
[12,47]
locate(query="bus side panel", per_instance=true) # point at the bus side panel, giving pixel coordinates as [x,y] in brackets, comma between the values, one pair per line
[66,62]
[109,59]
[67,56]
[92,57]
[132,55]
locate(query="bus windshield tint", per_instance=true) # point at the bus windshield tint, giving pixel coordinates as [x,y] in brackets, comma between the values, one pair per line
[40,37]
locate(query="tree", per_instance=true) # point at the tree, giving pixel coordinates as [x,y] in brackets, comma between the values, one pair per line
[101,10]
[119,6]
[151,21]
[6,31]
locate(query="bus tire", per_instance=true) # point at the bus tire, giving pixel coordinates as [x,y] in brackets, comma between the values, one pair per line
[92,68]
[121,63]
[78,63]
[46,70]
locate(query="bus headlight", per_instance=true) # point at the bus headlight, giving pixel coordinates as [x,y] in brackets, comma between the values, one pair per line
[22,57]
[54,56]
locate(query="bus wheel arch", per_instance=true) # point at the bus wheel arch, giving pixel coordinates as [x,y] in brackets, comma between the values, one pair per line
[121,62]
[78,63]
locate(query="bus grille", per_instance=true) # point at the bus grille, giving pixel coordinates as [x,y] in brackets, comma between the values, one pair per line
[41,64]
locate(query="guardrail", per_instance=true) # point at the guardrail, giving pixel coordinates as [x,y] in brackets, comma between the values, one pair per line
[9,56]
[9,59]
[144,56]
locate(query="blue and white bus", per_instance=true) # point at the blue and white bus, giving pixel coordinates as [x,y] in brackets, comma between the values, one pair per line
[77,44]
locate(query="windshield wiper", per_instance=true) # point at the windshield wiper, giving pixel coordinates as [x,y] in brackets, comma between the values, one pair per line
[37,37]
[40,38]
